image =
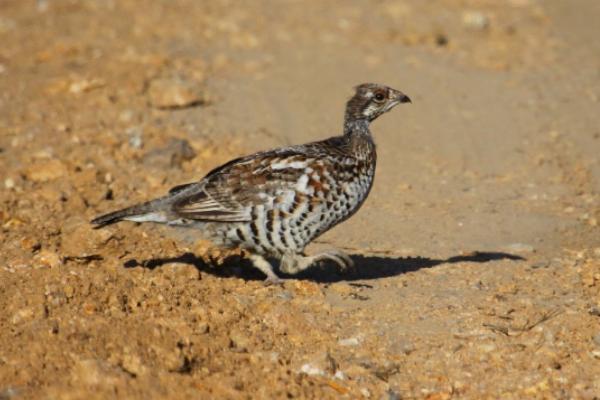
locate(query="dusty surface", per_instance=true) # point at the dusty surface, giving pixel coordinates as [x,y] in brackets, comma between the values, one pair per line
[478,252]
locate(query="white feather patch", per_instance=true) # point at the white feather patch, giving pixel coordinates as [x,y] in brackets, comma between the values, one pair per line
[302,183]
[150,217]
[284,164]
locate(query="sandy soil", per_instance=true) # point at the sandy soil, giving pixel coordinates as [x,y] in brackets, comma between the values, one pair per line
[478,252]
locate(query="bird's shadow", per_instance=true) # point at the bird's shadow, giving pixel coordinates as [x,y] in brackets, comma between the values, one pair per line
[366,267]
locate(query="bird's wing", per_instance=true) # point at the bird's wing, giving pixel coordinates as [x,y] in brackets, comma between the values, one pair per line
[230,192]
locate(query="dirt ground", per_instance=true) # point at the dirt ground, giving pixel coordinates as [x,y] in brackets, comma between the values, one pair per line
[477,254]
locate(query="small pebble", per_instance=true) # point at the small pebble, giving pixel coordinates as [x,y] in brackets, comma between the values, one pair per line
[135,137]
[339,375]
[391,395]
[45,171]
[126,116]
[133,364]
[476,20]
[173,93]
[353,341]
[23,314]
[311,370]
[595,311]
[540,264]
[239,341]
[48,258]
[173,154]
[520,248]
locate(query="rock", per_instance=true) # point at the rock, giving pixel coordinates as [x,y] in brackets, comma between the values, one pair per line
[48,259]
[173,93]
[353,341]
[9,183]
[339,375]
[311,370]
[24,314]
[88,372]
[136,140]
[520,248]
[91,372]
[44,171]
[239,341]
[172,155]
[85,85]
[540,264]
[132,364]
[391,395]
[596,339]
[475,20]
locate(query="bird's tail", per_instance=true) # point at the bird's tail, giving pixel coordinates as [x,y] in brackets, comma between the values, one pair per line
[150,211]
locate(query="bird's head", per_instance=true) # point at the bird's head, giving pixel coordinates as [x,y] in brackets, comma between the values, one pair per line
[371,100]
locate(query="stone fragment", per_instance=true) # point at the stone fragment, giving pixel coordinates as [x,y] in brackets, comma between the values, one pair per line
[520,248]
[44,171]
[475,20]
[132,364]
[174,154]
[24,314]
[173,93]
[353,341]
[239,341]
[47,258]
[311,370]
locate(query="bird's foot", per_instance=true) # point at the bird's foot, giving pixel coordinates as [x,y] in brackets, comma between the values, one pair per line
[276,281]
[266,268]
[294,263]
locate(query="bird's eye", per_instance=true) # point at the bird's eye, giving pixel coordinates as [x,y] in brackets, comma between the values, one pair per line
[379,97]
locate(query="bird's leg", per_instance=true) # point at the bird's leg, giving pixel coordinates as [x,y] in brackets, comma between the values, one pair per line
[294,263]
[265,267]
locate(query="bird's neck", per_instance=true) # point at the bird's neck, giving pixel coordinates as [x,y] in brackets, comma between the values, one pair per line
[356,127]
[358,135]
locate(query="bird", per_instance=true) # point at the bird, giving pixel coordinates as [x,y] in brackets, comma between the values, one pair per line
[273,203]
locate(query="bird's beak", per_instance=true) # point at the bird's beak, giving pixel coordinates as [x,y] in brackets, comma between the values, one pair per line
[402,98]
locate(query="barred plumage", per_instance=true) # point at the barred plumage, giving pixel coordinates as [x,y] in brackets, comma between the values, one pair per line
[274,203]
